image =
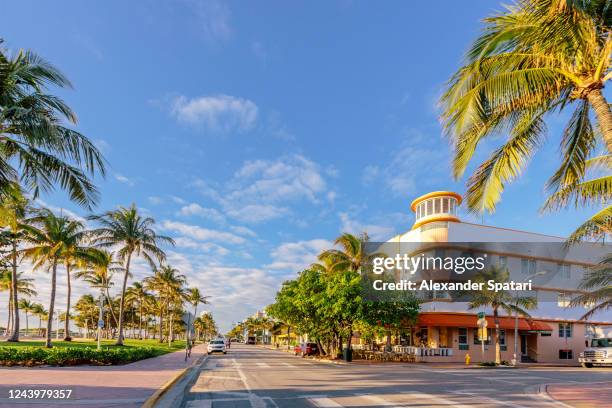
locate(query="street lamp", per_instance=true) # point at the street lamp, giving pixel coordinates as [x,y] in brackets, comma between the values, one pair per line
[514,359]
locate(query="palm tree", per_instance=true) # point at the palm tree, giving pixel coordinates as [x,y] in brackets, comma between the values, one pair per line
[133,234]
[51,237]
[13,209]
[195,297]
[537,57]
[24,286]
[349,258]
[27,307]
[169,284]
[500,299]
[36,149]
[137,293]
[39,311]
[598,281]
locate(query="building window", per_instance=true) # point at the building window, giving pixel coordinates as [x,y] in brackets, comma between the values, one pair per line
[565,330]
[463,339]
[563,300]
[503,261]
[445,205]
[423,340]
[564,271]
[566,355]
[528,266]
[502,340]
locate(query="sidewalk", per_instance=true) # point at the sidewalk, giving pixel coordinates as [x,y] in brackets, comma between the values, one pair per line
[93,386]
[581,395]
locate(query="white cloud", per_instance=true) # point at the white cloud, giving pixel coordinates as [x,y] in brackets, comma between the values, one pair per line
[213,16]
[201,234]
[206,247]
[217,113]
[255,213]
[240,230]
[295,256]
[375,231]
[208,213]
[123,179]
[155,200]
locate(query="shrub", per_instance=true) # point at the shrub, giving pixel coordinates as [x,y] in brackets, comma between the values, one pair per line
[488,364]
[66,356]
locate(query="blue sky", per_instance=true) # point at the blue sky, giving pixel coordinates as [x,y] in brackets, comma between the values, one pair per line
[256,132]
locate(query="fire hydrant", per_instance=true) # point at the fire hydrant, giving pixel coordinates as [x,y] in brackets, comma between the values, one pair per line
[467,359]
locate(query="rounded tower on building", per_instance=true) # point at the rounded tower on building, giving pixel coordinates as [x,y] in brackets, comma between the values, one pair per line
[436,206]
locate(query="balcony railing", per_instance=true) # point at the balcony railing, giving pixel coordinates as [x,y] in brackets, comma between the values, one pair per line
[424,351]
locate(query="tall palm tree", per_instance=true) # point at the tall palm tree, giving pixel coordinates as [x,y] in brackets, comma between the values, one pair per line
[98,272]
[138,294]
[13,210]
[501,299]
[133,234]
[25,287]
[36,148]
[169,285]
[598,282]
[50,238]
[39,311]
[27,306]
[536,58]
[194,297]
[349,257]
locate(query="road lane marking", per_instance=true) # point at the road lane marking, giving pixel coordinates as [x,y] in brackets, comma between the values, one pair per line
[264,365]
[324,402]
[434,398]
[199,404]
[254,400]
[288,365]
[480,397]
[380,402]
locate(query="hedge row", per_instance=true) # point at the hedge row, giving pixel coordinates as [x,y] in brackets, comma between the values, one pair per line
[67,356]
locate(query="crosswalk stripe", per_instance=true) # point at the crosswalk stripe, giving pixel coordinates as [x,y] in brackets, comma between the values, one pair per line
[288,365]
[264,365]
[420,396]
[324,402]
[199,404]
[380,402]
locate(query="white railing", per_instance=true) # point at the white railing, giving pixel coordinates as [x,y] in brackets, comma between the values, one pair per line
[424,351]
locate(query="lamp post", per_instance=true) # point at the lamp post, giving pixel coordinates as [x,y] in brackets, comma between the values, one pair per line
[516,320]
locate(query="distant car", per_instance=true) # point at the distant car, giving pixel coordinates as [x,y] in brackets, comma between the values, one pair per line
[216,346]
[250,340]
[306,349]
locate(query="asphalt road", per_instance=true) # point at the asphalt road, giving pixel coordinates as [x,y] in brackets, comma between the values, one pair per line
[250,376]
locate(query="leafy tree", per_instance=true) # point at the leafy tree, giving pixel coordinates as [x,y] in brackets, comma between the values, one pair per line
[27,306]
[537,57]
[138,294]
[36,149]
[134,235]
[24,286]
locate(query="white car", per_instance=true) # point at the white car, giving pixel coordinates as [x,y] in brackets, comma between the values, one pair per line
[599,354]
[216,346]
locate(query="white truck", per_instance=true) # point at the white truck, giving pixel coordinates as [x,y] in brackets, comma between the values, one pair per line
[599,353]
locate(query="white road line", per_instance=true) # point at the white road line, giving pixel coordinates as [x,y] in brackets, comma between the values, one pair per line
[494,401]
[380,402]
[199,404]
[434,398]
[254,400]
[264,365]
[221,377]
[288,365]
[324,402]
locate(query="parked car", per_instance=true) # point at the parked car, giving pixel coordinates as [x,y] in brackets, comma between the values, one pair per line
[598,354]
[250,340]
[216,346]
[306,349]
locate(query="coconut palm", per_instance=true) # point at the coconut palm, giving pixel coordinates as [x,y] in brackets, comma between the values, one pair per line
[50,238]
[138,294]
[27,306]
[36,148]
[39,311]
[598,282]
[194,297]
[98,272]
[13,210]
[169,285]
[349,258]
[497,300]
[133,234]
[25,287]
[535,58]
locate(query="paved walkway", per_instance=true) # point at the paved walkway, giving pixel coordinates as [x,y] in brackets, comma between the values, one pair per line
[109,386]
[582,396]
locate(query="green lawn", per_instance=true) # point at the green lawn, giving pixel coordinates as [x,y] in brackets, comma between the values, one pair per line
[129,343]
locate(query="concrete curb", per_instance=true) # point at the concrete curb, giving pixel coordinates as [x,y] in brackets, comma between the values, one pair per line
[157,395]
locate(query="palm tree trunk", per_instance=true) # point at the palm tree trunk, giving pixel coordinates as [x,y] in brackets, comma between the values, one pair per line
[497,347]
[140,322]
[603,114]
[15,334]
[110,306]
[9,318]
[51,304]
[123,287]
[27,324]
[69,290]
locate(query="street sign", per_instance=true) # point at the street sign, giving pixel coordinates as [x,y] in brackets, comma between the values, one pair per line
[101,324]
